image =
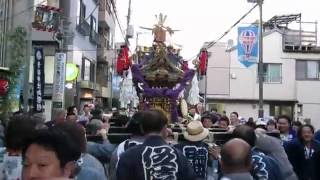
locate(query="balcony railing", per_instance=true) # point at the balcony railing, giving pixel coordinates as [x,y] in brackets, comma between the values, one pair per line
[83,26]
[300,38]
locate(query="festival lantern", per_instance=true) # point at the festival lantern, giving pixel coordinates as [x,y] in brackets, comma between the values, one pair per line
[203,60]
[123,60]
[4,87]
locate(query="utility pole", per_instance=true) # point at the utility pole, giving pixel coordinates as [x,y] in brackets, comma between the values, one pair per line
[112,76]
[59,92]
[128,22]
[137,40]
[260,64]
[261,112]
[205,92]
[26,88]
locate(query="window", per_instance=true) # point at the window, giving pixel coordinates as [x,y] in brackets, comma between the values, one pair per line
[92,72]
[300,109]
[88,69]
[307,70]
[82,14]
[272,73]
[107,72]
[281,109]
[110,40]
[93,25]
[93,30]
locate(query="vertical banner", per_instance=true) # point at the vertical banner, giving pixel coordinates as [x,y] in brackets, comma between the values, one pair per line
[59,80]
[38,80]
[248,45]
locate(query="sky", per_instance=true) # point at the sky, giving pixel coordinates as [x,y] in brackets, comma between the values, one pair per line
[204,20]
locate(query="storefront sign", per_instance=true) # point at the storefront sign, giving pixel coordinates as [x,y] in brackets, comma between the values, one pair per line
[59,80]
[38,80]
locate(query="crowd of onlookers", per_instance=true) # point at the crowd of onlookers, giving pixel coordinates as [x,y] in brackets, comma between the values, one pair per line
[66,147]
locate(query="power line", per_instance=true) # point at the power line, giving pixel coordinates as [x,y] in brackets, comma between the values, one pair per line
[97,5]
[212,43]
[116,15]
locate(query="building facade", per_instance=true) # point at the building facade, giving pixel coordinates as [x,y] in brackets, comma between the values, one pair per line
[291,78]
[81,46]
[5,9]
[106,53]
[88,30]
[21,14]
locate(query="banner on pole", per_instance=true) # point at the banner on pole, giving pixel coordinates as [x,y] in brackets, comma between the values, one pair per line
[59,80]
[38,80]
[248,45]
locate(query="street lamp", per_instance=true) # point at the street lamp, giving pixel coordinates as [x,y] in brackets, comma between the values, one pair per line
[137,37]
[260,65]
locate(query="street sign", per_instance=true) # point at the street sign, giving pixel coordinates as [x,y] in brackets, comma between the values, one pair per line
[59,80]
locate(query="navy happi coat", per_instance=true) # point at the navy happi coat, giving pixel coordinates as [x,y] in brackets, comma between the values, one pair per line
[154,160]
[198,155]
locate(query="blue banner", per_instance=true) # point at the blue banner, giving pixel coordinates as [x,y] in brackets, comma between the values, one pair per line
[248,45]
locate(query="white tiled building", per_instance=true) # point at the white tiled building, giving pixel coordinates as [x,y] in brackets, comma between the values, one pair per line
[291,82]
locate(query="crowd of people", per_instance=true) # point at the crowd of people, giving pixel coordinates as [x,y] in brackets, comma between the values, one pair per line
[74,146]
